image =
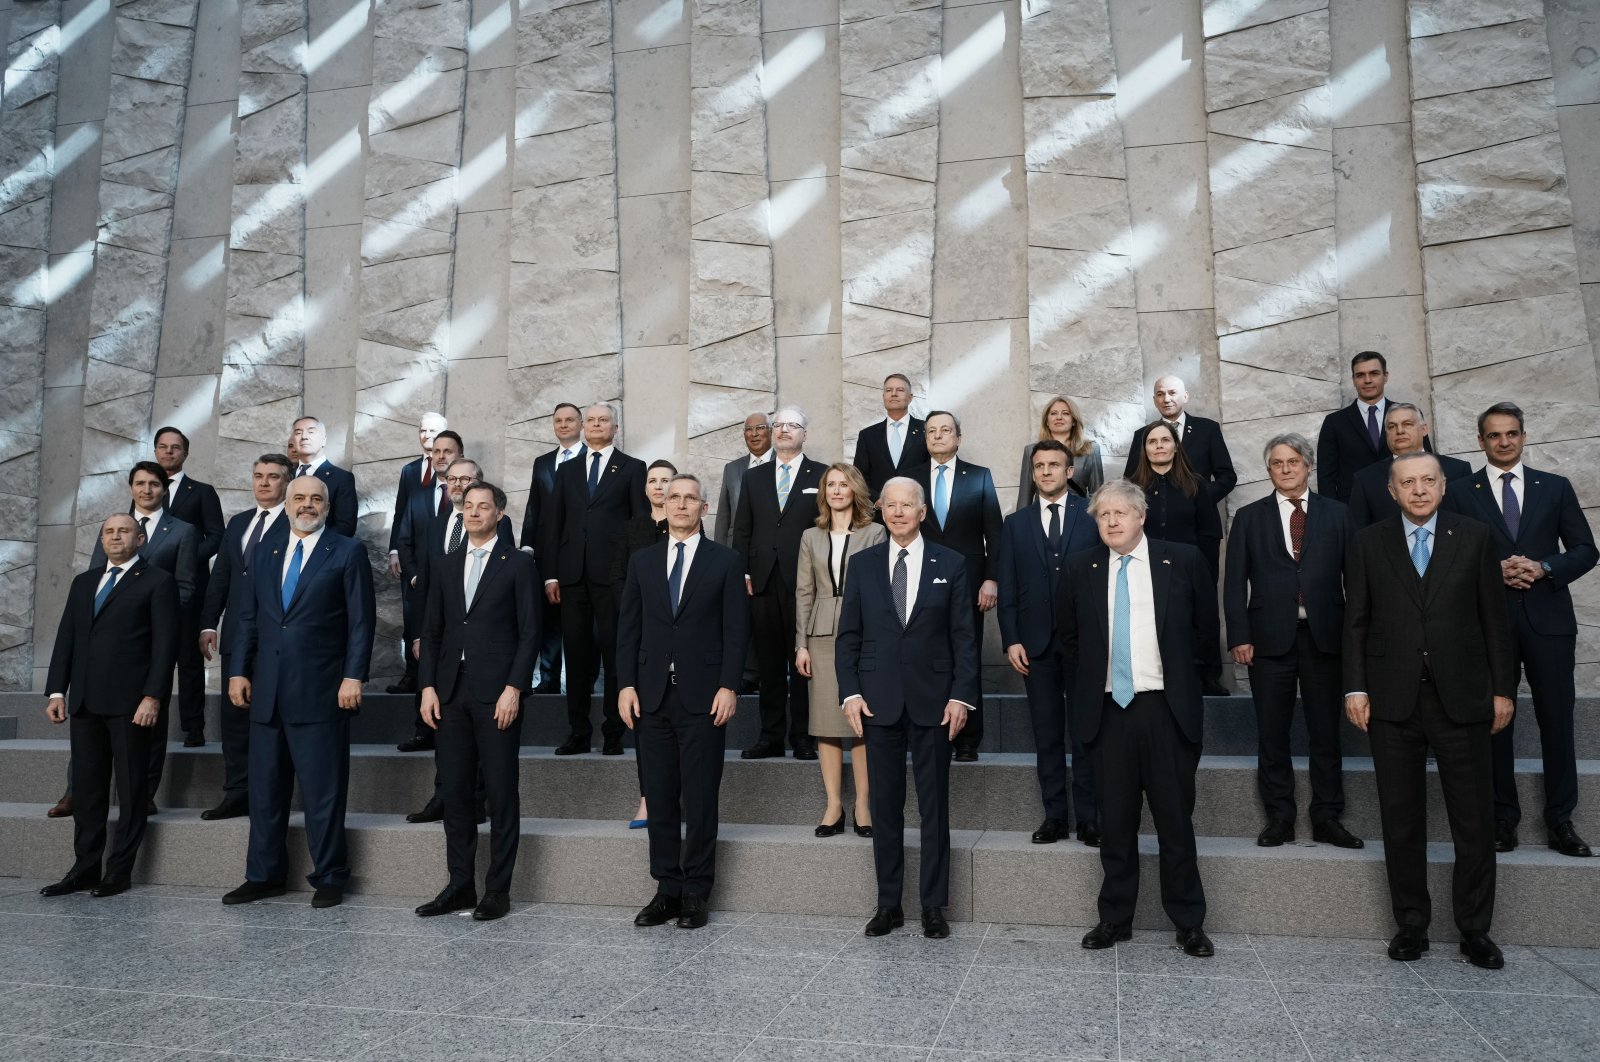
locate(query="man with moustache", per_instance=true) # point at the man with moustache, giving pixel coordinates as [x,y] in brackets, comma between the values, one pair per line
[1405,431]
[566,422]
[415,475]
[197,505]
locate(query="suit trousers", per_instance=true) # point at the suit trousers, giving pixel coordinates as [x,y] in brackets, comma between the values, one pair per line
[155,750]
[1272,688]
[411,606]
[549,669]
[971,735]
[317,756]
[1141,753]
[588,613]
[782,687]
[470,743]
[191,671]
[681,757]
[886,777]
[235,726]
[1547,660]
[1399,760]
[1047,683]
[103,745]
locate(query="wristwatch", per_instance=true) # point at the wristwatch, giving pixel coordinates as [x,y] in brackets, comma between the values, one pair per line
[1546,566]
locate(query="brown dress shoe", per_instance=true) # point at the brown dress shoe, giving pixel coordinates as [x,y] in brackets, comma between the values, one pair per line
[62,810]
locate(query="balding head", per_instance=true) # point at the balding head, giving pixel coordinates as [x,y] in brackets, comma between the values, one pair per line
[1170,396]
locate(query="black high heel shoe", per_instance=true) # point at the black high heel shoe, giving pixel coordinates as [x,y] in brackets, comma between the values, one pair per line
[863,831]
[828,829]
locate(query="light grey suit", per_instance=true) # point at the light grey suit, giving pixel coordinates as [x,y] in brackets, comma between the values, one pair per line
[728,501]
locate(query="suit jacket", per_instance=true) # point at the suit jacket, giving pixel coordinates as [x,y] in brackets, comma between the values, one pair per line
[295,658]
[1370,500]
[1262,580]
[1552,529]
[1030,579]
[872,453]
[230,578]
[1453,621]
[429,554]
[916,669]
[972,526]
[579,530]
[1186,619]
[342,500]
[540,484]
[410,480]
[728,501]
[1344,448]
[817,595]
[498,633]
[197,505]
[411,534]
[106,664]
[174,547]
[768,538]
[1206,450]
[1088,473]
[703,643]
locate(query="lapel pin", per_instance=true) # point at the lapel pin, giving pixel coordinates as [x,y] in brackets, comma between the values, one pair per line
[1096,564]
[1165,561]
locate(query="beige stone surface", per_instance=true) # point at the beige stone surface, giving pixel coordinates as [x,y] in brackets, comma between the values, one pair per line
[1171,215]
[1074,134]
[980,270]
[1225,16]
[1269,60]
[1276,281]
[980,113]
[1479,58]
[657,427]
[1500,268]
[1307,348]
[1297,119]
[1248,391]
[1375,214]
[1508,188]
[1261,191]
[1557,392]
[1470,337]
[1466,121]
[801,79]
[1429,17]
[651,153]
[979,371]
[1371,83]
[1066,49]
[1580,141]
[1574,46]
[805,257]
[1078,213]
[653,231]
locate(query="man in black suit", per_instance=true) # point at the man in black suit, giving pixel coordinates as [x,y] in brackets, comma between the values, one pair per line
[310,440]
[681,634]
[414,475]
[1035,541]
[1544,544]
[197,505]
[110,670]
[1284,599]
[263,522]
[1405,431]
[567,423]
[1428,665]
[1134,615]
[1353,437]
[479,643]
[411,540]
[890,446]
[963,514]
[776,504]
[589,502]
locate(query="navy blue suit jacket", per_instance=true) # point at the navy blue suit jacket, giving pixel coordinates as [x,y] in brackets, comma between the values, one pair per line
[1262,581]
[704,643]
[1029,582]
[579,529]
[873,459]
[540,484]
[972,524]
[342,501]
[229,577]
[410,480]
[416,522]
[197,505]
[106,664]
[174,547]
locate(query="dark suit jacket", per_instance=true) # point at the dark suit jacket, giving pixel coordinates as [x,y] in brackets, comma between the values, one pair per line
[704,643]
[1344,448]
[229,577]
[916,669]
[1370,500]
[411,534]
[296,658]
[1262,579]
[972,528]
[540,483]
[639,533]
[769,538]
[1208,454]
[1173,516]
[499,633]
[106,664]
[431,552]
[1453,621]
[342,501]
[579,530]
[174,547]
[1186,619]
[1030,583]
[410,480]
[872,453]
[197,505]
[1552,529]
[728,501]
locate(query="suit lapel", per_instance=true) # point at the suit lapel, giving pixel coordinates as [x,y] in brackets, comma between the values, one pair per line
[1393,544]
[930,572]
[1035,532]
[691,578]
[1443,556]
[133,572]
[491,566]
[1160,582]
[309,566]
[1488,507]
[1099,586]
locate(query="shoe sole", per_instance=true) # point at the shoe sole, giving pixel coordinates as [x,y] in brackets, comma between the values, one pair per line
[267,895]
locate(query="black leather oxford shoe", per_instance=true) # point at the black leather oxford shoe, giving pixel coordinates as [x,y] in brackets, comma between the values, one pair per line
[1277,833]
[658,911]
[934,927]
[1333,832]
[1482,951]
[451,898]
[887,918]
[1195,942]
[1565,839]
[1106,935]
[1408,944]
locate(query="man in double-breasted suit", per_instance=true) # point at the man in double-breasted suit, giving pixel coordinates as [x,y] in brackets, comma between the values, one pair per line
[890,446]
[415,476]
[309,440]
[1352,437]
[1405,430]
[566,423]
[196,504]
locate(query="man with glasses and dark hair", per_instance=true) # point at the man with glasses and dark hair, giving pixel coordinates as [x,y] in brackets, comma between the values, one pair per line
[566,423]
[422,509]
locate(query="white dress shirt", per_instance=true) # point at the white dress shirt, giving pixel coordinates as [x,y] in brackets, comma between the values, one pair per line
[571,450]
[890,427]
[249,529]
[450,528]
[466,569]
[309,546]
[757,462]
[690,544]
[914,554]
[795,463]
[1518,478]
[605,453]
[1143,642]
[949,479]
[312,466]
[152,520]
[1044,514]
[172,482]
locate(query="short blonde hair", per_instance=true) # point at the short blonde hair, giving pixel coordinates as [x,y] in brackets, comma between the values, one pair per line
[1121,490]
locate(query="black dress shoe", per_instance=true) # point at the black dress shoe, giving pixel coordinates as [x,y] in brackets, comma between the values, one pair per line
[432,811]
[1050,831]
[659,910]
[1408,944]
[828,829]
[886,919]
[405,685]
[228,809]
[934,927]
[1565,840]
[1195,942]
[761,752]
[1276,833]
[1481,951]
[416,743]
[693,913]
[1106,935]
[69,884]
[1333,832]
[1213,688]
[493,905]
[61,810]
[251,891]
[611,747]
[965,755]
[863,831]
[573,747]
[547,688]
[1089,834]
[110,887]
[194,739]
[450,898]
[1505,837]
[805,752]
[327,896]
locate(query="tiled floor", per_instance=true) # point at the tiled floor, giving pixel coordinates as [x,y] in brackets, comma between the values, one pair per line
[171,974]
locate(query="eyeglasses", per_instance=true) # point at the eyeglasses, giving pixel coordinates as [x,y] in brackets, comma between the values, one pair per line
[461,479]
[788,425]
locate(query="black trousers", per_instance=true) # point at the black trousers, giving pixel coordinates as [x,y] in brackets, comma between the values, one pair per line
[103,745]
[470,743]
[589,636]
[886,775]
[681,757]
[1047,683]
[549,670]
[235,726]
[1547,660]
[972,733]
[1211,652]
[155,751]
[1400,762]
[1272,687]
[411,606]
[317,756]
[191,670]
[783,689]
[1139,753]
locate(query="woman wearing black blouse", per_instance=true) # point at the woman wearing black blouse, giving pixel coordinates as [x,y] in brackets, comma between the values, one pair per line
[1180,509]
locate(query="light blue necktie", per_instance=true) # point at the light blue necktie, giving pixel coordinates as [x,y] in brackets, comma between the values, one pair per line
[1419,551]
[941,496]
[105,591]
[293,578]
[1122,642]
[675,579]
[475,574]
[784,483]
[896,443]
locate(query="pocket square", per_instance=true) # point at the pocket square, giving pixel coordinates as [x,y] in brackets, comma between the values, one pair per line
[809,490]
[936,582]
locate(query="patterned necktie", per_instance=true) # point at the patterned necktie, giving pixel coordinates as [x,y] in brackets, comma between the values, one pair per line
[784,483]
[475,574]
[292,579]
[105,590]
[255,538]
[565,454]
[896,443]
[1508,504]
[1374,432]
[675,579]
[594,473]
[897,587]
[1122,642]
[1419,551]
[1054,534]
[1297,538]
[941,496]
[455,534]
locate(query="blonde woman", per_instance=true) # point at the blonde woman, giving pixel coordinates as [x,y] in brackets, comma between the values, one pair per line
[844,528]
[1061,421]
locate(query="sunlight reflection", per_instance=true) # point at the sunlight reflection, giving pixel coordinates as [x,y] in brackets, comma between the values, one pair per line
[791,202]
[325,45]
[781,69]
[966,58]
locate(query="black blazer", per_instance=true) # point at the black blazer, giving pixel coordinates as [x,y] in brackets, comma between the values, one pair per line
[411,535]
[174,547]
[499,634]
[342,501]
[1552,529]
[769,538]
[703,644]
[638,533]
[1173,516]
[1454,621]
[1370,500]
[872,453]
[432,552]
[1203,445]
[540,483]
[973,525]
[1344,448]
[1186,619]
[579,530]
[1030,582]
[1262,579]
[229,577]
[106,664]
[197,505]
[410,480]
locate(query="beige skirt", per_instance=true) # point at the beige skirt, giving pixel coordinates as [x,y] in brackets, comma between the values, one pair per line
[827,718]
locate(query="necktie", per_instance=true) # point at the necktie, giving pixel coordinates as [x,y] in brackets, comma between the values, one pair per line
[1419,551]
[675,579]
[475,574]
[455,534]
[594,472]
[1054,534]
[1374,432]
[144,527]
[105,590]
[1174,426]
[1508,504]
[896,443]
[427,473]
[1122,642]
[255,538]
[303,470]
[565,454]
[784,483]
[292,579]
[941,496]
[897,586]
[1297,538]
[444,499]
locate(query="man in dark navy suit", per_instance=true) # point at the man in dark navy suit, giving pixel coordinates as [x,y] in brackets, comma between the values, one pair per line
[305,646]
[890,446]
[1353,437]
[566,422]
[110,670]
[681,634]
[310,441]
[1034,543]
[906,656]
[415,475]
[197,505]
[416,523]
[1405,430]
[263,522]
[1543,542]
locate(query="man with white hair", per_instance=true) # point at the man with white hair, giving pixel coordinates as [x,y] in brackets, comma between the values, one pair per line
[414,475]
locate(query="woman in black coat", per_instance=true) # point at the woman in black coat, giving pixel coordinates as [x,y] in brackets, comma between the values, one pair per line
[1180,509]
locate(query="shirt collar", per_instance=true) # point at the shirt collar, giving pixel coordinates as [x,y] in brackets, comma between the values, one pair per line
[155,516]
[912,550]
[763,459]
[310,542]
[1045,503]
[126,566]
[173,480]
[272,512]
[1432,526]
[1140,553]
[1362,404]
[794,462]
[905,419]
[605,453]
[1283,499]
[950,464]
[1515,470]
[689,543]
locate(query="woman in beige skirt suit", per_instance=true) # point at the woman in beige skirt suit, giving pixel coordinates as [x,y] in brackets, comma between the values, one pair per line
[844,528]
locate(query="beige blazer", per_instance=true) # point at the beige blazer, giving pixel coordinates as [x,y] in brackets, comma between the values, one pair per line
[817,600]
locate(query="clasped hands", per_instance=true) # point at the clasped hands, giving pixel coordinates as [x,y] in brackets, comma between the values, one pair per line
[1520,573]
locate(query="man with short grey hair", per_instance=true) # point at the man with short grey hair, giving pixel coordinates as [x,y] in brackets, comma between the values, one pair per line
[414,475]
[1405,429]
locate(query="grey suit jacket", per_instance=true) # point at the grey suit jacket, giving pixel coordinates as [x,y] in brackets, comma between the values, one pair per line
[728,501]
[817,599]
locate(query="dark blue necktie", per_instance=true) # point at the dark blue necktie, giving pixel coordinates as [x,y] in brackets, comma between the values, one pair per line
[291,580]
[675,579]
[1508,504]
[1374,430]
[105,591]
[594,472]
